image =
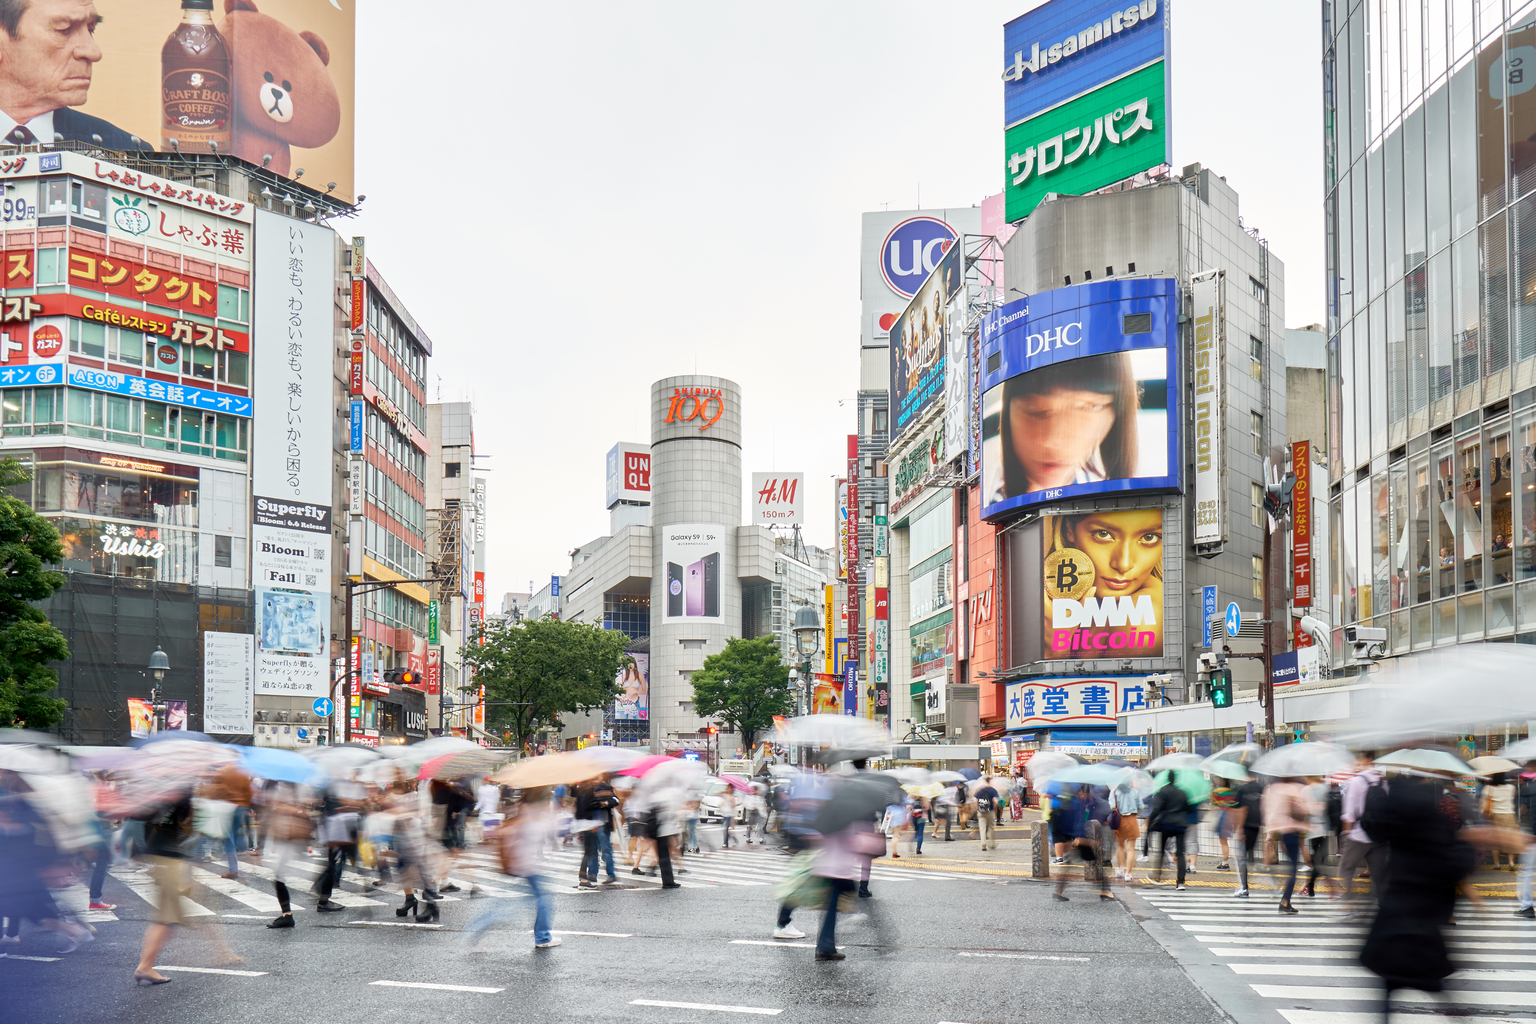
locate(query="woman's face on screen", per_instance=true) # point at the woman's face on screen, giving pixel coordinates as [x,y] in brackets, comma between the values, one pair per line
[1055,433]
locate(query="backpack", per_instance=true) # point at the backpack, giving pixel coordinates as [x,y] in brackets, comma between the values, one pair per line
[1335,810]
[1373,819]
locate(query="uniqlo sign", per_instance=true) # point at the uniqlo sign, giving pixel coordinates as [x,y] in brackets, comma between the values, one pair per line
[628,474]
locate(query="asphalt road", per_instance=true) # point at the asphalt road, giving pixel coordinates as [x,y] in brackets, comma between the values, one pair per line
[935,948]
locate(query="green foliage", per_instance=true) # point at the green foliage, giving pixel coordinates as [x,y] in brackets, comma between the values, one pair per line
[28,641]
[744,685]
[537,670]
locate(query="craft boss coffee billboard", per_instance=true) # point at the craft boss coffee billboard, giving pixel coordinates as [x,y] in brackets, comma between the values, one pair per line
[251,78]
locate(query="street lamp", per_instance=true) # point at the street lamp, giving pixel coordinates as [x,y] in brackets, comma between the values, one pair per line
[159,665]
[807,630]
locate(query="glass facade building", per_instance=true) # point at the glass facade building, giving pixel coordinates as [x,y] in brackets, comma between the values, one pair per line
[1430,176]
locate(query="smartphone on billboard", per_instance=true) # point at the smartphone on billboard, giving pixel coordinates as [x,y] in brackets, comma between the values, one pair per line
[693,590]
[712,585]
[674,591]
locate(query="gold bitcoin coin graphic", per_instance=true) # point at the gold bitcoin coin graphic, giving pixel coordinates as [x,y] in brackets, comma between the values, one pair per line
[1068,575]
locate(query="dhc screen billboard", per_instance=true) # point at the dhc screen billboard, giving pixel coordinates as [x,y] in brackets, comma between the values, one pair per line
[1080,394]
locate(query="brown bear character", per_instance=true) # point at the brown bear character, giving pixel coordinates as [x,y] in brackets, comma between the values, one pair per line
[283,94]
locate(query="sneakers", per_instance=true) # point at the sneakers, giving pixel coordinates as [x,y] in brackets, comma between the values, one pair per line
[788,931]
[285,921]
[1241,894]
[1181,888]
[98,905]
[552,943]
[329,905]
[1223,866]
[830,956]
[1286,908]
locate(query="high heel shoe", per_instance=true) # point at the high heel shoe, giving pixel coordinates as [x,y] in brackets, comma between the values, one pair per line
[428,913]
[410,905]
[143,978]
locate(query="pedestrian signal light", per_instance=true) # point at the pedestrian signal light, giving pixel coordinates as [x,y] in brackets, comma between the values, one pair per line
[1221,688]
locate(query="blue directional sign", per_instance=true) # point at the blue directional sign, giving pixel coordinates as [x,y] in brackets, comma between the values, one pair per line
[1234,620]
[323,707]
[1207,611]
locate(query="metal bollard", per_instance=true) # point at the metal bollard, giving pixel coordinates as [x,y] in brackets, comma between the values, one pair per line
[1093,868]
[1039,850]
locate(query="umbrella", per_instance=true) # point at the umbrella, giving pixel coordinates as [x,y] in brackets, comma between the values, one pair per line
[382,772]
[930,790]
[462,763]
[1043,765]
[971,774]
[1222,768]
[1521,750]
[1194,785]
[1438,761]
[613,758]
[344,757]
[645,764]
[31,760]
[1092,775]
[1241,752]
[1175,761]
[173,736]
[107,759]
[1455,690]
[41,739]
[858,797]
[280,765]
[736,782]
[1308,757]
[911,776]
[426,750]
[162,774]
[839,737]
[547,770]
[945,777]
[1487,765]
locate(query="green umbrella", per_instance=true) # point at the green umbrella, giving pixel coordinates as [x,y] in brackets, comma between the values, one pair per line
[1194,785]
[1225,769]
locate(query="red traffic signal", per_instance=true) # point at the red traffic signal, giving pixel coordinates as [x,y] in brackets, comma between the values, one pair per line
[407,678]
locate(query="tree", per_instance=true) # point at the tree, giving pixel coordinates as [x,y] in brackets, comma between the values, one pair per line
[745,685]
[28,641]
[536,670]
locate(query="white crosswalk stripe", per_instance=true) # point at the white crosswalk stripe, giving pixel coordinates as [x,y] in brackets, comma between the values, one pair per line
[1312,958]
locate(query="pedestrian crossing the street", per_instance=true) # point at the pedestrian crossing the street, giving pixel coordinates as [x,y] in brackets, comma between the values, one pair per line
[1306,965]
[476,873]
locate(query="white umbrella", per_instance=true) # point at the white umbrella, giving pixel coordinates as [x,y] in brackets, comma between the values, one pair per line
[1520,751]
[1437,761]
[911,776]
[1295,760]
[1179,760]
[426,750]
[1047,763]
[839,737]
[343,758]
[945,777]
[613,758]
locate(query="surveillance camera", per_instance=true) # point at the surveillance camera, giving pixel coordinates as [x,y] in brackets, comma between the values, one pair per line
[1363,634]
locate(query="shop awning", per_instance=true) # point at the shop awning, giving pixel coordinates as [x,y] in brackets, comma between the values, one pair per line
[992,734]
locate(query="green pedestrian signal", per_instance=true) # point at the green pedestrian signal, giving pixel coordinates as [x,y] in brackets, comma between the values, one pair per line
[1221,688]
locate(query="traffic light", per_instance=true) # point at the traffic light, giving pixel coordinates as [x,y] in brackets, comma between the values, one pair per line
[1221,688]
[400,677]
[712,730]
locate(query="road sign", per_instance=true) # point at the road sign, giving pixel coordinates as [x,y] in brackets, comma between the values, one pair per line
[1234,619]
[323,708]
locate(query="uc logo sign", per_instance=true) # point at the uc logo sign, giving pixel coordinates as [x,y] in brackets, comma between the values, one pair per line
[911,251]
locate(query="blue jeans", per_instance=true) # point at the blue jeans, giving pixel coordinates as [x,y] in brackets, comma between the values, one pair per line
[544,909]
[826,942]
[1527,867]
[602,846]
[918,827]
[693,833]
[99,870]
[236,839]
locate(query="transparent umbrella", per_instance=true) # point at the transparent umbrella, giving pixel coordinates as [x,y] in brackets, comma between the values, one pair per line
[1179,760]
[1295,760]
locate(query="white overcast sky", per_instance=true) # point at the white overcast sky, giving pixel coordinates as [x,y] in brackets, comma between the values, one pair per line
[575,200]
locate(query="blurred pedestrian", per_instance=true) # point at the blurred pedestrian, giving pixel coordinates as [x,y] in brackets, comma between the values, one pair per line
[1287,817]
[1525,802]
[29,855]
[920,814]
[595,801]
[289,828]
[987,802]
[1498,807]
[450,807]
[948,807]
[168,836]
[524,840]
[1247,818]
[1169,818]
[1127,801]
[1224,799]
[1076,812]
[756,816]
[1316,796]
[728,814]
[1367,786]
[841,859]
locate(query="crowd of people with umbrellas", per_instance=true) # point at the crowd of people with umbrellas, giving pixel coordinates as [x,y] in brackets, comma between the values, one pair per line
[1417,818]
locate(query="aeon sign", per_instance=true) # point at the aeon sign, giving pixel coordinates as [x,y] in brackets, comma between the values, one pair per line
[911,251]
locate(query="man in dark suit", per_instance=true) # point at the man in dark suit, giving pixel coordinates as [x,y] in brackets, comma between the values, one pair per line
[47,51]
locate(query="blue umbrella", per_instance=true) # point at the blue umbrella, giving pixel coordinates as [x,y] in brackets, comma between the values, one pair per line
[282,766]
[173,734]
[971,774]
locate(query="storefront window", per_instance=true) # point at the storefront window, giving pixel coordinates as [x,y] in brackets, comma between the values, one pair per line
[931,592]
[1498,506]
[1469,514]
[1445,536]
[1422,536]
[151,494]
[1523,465]
[108,548]
[930,649]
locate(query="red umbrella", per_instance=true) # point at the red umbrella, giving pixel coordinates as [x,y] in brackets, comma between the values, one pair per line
[645,764]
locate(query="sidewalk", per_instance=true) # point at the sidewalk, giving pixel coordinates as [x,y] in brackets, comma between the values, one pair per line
[1012,858]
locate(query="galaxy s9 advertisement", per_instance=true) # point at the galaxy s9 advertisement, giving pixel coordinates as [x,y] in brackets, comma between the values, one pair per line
[1079,394]
[693,556]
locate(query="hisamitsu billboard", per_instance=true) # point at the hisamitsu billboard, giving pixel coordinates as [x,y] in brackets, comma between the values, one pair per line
[1065,48]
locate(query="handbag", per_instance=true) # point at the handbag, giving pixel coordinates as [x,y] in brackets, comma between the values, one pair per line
[1113,821]
[867,844]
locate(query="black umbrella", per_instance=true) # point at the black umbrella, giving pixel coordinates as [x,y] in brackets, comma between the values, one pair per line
[858,797]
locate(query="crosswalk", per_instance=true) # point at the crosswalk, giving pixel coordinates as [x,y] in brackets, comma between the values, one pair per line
[477,873]
[1306,966]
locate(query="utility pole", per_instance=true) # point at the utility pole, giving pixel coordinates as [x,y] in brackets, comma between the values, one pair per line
[354,587]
